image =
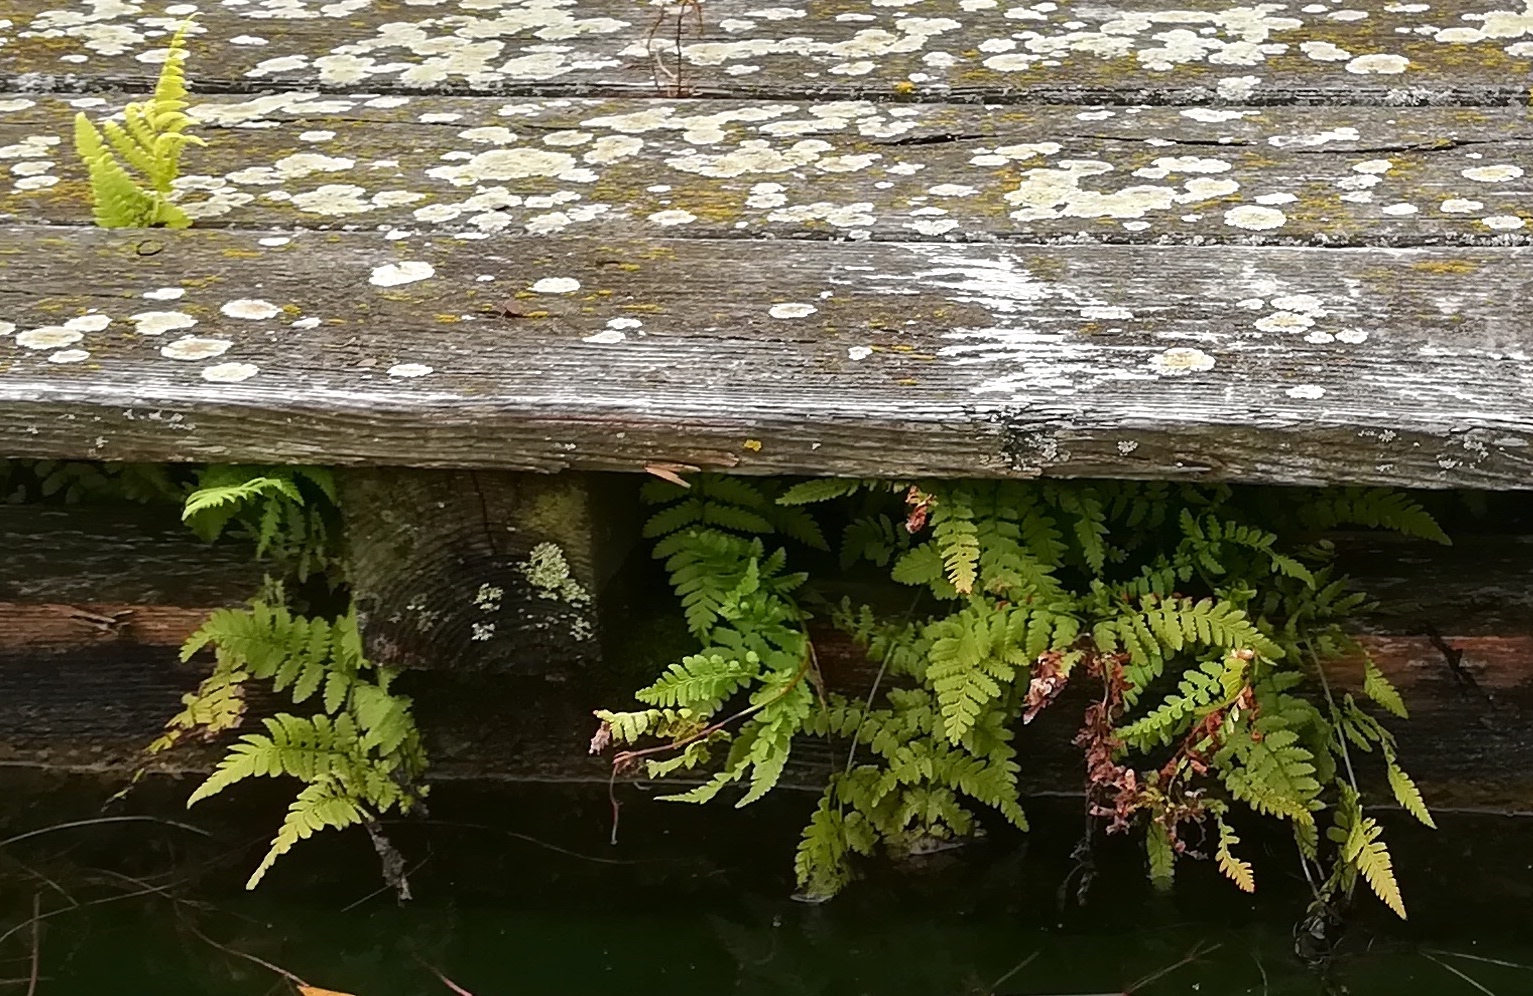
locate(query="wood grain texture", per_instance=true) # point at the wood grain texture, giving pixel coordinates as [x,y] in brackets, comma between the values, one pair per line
[775,169]
[466,570]
[1475,51]
[1298,366]
[123,555]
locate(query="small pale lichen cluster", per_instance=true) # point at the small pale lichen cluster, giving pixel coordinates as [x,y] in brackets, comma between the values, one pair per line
[549,574]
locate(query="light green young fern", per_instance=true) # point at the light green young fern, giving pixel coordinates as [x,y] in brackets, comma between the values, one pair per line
[150,139]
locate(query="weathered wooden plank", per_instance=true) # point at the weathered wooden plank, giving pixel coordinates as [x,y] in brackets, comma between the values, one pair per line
[462,570]
[1273,175]
[127,556]
[1246,364]
[1476,51]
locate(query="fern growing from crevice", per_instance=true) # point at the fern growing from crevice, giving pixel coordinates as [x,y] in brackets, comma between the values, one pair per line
[1204,619]
[150,140]
[358,753]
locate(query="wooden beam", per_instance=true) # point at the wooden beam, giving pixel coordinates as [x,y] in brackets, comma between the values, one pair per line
[1138,51]
[464,570]
[1293,366]
[634,168]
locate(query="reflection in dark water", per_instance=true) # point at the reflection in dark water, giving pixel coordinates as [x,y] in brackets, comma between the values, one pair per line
[519,892]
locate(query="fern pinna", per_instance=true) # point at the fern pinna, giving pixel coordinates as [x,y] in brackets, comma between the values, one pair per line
[1203,620]
[150,139]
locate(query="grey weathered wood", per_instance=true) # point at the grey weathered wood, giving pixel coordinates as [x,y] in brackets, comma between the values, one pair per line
[119,555]
[631,168]
[1298,366]
[468,570]
[1473,51]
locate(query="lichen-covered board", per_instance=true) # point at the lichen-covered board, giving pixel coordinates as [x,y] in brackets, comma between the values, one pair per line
[1471,51]
[1235,363]
[847,169]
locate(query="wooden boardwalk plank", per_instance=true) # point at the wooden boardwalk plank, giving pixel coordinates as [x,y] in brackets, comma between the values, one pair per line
[631,168]
[1470,51]
[1276,365]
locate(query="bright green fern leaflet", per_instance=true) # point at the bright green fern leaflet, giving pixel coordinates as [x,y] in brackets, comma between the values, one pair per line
[150,140]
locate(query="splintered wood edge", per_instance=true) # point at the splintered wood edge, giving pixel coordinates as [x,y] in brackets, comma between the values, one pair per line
[849,170]
[1261,365]
[1454,51]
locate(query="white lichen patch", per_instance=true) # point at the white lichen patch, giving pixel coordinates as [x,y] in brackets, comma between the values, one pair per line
[859,352]
[606,337]
[1284,321]
[1503,222]
[229,373]
[164,294]
[1306,392]
[250,309]
[1255,218]
[1180,360]
[195,348]
[69,356]
[791,310]
[1499,173]
[672,216]
[1460,205]
[409,371]
[1379,63]
[394,274]
[88,323]
[48,337]
[556,285]
[160,322]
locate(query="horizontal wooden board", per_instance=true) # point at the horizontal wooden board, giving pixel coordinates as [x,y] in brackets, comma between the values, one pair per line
[852,169]
[123,555]
[1297,366]
[1472,51]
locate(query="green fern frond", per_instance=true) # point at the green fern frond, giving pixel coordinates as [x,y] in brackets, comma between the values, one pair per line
[1408,795]
[1376,508]
[151,140]
[700,682]
[957,539]
[1161,854]
[822,489]
[1381,690]
[1370,856]
[319,806]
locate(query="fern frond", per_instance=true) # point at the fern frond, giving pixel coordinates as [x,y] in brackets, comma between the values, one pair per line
[1376,508]
[1162,855]
[700,682]
[1369,854]
[1408,795]
[1381,690]
[822,489]
[320,806]
[820,863]
[1233,868]
[957,538]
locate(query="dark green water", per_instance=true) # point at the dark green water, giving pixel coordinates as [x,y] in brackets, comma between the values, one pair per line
[519,892]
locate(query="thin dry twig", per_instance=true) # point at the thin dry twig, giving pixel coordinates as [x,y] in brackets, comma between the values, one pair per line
[236,953]
[37,947]
[97,821]
[445,980]
[1469,979]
